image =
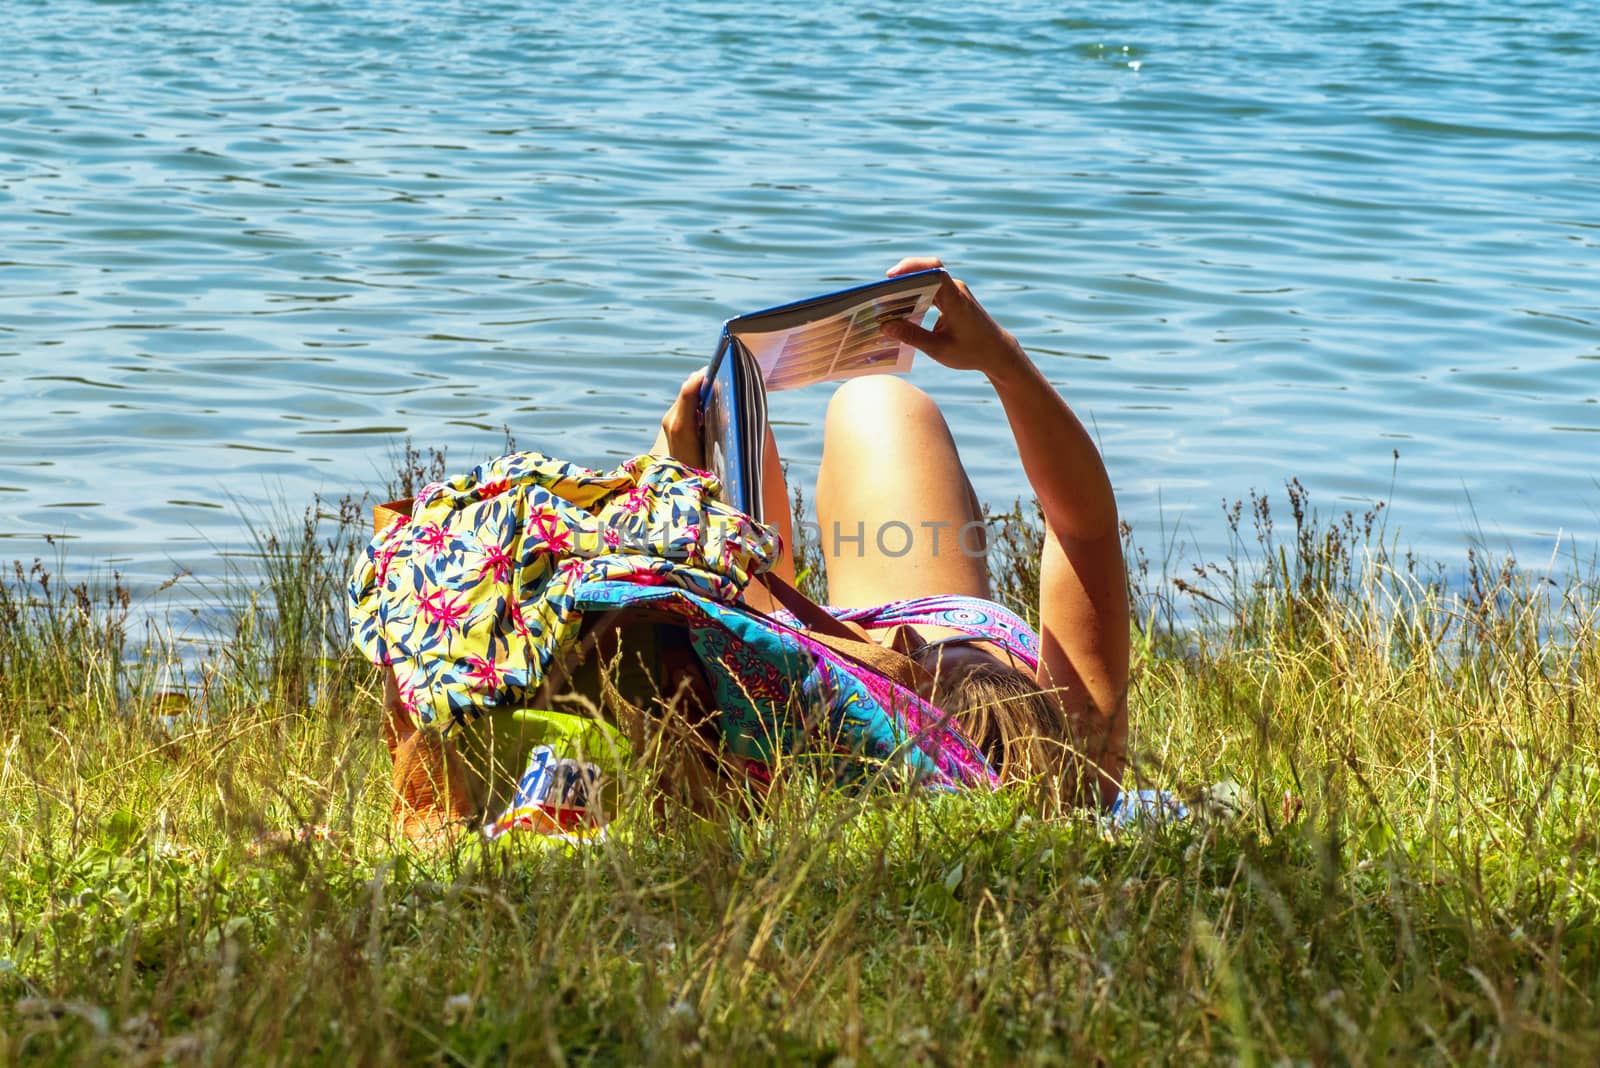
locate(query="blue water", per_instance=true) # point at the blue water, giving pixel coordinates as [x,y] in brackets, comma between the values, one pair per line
[246,248]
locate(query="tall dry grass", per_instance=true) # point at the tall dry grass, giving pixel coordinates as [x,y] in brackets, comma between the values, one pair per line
[1406,868]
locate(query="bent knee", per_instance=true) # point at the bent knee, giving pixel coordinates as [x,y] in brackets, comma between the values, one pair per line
[872,399]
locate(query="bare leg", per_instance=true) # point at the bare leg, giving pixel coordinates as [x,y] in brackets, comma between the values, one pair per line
[898,514]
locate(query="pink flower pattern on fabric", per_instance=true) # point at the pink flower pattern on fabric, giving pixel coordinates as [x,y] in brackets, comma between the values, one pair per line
[636,501]
[496,563]
[433,540]
[519,622]
[548,529]
[410,699]
[487,563]
[483,673]
[445,609]
[385,559]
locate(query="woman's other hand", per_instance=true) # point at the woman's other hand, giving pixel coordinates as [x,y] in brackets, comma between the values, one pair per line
[680,427]
[965,338]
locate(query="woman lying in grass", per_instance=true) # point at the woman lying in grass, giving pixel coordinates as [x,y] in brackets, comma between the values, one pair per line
[484,599]
[891,479]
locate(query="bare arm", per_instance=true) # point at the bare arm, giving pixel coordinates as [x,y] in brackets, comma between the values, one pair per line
[1083,597]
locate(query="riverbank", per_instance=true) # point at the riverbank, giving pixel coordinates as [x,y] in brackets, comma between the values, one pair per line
[1409,869]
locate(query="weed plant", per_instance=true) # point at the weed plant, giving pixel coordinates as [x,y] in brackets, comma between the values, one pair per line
[1403,868]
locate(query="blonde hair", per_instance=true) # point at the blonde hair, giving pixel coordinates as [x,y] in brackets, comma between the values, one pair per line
[1019,727]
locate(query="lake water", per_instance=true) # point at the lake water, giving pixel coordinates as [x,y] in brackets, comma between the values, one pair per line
[247,248]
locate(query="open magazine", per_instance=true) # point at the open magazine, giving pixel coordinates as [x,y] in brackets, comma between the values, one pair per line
[828,337]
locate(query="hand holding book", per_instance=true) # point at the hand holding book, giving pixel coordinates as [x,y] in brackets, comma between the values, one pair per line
[966,337]
[681,434]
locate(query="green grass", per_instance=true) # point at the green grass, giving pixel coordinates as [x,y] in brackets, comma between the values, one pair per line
[1411,873]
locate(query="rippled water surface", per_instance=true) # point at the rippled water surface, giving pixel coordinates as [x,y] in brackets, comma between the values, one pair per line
[246,248]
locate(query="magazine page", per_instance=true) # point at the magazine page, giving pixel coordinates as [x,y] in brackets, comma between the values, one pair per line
[837,335]
[832,336]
